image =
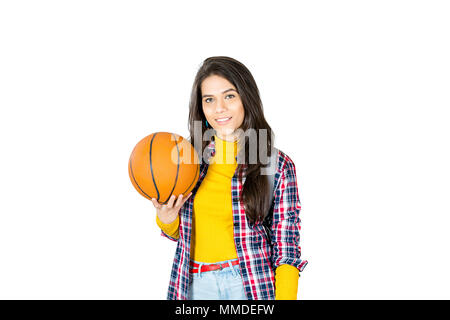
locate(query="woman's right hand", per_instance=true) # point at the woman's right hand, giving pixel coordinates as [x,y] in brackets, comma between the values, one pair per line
[167,213]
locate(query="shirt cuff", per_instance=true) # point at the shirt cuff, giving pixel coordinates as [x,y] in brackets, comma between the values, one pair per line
[170,229]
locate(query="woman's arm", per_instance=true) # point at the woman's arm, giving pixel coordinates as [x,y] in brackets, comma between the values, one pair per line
[169,230]
[286,282]
[169,213]
[286,227]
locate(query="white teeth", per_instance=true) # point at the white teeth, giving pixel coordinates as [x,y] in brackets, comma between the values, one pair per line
[223,119]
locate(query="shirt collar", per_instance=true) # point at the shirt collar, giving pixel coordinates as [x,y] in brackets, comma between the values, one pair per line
[212,150]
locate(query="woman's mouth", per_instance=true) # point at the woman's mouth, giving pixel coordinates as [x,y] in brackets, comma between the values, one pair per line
[223,120]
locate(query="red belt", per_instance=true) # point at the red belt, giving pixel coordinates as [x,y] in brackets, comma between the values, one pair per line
[211,267]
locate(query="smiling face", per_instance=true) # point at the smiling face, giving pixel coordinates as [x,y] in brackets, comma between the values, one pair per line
[222,106]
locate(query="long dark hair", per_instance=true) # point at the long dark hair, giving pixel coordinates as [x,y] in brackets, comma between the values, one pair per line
[256,187]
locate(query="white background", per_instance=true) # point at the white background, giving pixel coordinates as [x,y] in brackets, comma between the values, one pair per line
[357,93]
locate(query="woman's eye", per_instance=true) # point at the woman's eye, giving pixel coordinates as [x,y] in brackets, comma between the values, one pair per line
[230,95]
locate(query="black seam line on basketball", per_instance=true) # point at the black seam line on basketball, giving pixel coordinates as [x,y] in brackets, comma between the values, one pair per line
[132,174]
[178,168]
[196,170]
[151,168]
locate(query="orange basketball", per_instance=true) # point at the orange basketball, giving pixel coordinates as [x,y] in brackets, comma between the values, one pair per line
[163,164]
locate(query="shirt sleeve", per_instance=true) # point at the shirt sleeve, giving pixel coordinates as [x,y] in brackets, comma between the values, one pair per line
[286,223]
[286,282]
[169,230]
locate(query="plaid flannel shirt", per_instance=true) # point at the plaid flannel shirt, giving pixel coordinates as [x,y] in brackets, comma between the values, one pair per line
[257,260]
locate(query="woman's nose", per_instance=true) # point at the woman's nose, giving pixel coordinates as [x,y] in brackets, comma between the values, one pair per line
[220,106]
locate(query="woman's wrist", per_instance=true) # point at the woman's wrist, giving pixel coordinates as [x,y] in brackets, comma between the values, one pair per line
[168,219]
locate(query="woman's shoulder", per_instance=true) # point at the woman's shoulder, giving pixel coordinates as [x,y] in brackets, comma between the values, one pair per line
[284,161]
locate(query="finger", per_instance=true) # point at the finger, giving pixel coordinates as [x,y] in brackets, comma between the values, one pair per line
[155,203]
[179,200]
[185,199]
[171,201]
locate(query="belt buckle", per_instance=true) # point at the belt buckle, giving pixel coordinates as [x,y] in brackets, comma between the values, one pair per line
[220,267]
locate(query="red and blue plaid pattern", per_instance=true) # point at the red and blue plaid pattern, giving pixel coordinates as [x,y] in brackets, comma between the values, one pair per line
[258,261]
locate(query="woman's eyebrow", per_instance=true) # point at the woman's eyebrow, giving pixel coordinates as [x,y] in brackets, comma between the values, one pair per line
[210,95]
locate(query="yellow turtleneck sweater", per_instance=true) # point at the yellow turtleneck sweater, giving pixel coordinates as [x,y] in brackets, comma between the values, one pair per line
[212,224]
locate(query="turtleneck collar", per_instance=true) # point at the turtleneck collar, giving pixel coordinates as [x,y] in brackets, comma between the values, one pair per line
[225,151]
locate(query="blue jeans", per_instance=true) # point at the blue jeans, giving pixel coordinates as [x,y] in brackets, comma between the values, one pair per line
[225,284]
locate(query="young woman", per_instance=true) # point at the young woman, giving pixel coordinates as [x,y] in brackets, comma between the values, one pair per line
[222,250]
